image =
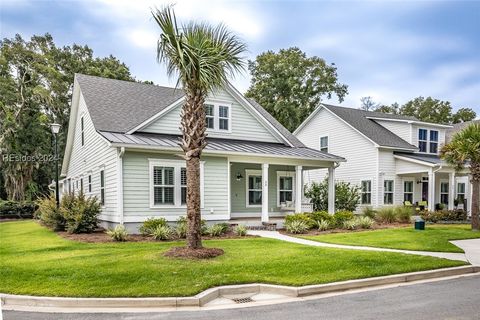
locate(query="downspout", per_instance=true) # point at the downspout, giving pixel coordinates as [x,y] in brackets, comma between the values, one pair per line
[121,152]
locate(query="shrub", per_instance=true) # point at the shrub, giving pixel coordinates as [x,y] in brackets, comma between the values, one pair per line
[445,215]
[347,196]
[240,230]
[303,217]
[80,213]
[119,233]
[216,230]
[342,216]
[349,224]
[225,226]
[17,210]
[296,226]
[403,214]
[162,232]
[369,212]
[151,224]
[322,225]
[386,215]
[320,215]
[181,228]
[49,214]
[364,222]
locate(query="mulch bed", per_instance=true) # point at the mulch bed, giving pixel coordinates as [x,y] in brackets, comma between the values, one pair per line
[376,226]
[187,253]
[100,236]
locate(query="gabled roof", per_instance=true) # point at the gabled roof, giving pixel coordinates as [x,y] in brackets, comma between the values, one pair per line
[120,106]
[359,120]
[218,145]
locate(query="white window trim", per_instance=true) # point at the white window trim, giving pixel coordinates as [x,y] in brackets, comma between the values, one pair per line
[428,141]
[216,113]
[464,193]
[371,191]
[412,180]
[442,193]
[320,142]
[177,165]
[392,192]
[288,174]
[249,173]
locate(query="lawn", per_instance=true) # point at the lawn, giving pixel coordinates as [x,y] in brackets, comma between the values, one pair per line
[36,261]
[433,238]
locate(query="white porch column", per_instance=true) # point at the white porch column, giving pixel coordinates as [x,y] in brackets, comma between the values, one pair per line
[331,190]
[265,192]
[431,190]
[298,189]
[451,190]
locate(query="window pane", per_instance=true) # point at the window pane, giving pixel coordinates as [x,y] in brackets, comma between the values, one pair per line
[444,198]
[223,112]
[102,179]
[323,142]
[209,110]
[184,195]
[255,182]
[422,145]
[408,186]
[158,195]
[157,175]
[461,188]
[168,195]
[433,147]
[183,177]
[408,197]
[422,134]
[388,185]
[366,198]
[223,124]
[366,186]
[433,135]
[168,179]
[286,183]
[254,197]
[209,123]
[444,187]
[388,198]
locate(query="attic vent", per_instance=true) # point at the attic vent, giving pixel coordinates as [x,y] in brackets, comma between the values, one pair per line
[243,300]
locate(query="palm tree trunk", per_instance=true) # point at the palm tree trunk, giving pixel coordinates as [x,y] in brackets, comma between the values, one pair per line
[194,235]
[475,204]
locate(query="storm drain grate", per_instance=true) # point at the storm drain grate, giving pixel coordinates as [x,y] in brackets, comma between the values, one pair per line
[242,300]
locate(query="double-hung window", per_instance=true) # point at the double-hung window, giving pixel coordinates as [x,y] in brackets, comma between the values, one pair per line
[388,192]
[366,186]
[210,116]
[285,184]
[433,141]
[254,188]
[422,140]
[218,116]
[163,185]
[461,192]
[102,187]
[324,144]
[444,192]
[408,191]
[168,183]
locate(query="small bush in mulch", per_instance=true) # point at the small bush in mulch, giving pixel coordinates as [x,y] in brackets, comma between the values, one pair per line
[187,253]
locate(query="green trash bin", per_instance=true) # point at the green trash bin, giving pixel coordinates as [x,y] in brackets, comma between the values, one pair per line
[419,225]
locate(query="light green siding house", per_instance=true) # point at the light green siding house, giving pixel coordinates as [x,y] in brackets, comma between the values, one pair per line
[122,147]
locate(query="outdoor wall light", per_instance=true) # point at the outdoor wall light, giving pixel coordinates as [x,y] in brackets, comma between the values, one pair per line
[239,176]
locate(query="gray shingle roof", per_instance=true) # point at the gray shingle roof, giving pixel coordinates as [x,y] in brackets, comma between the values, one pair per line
[458,127]
[120,106]
[380,135]
[223,145]
[429,158]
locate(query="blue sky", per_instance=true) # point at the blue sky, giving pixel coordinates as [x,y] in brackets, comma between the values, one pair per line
[392,51]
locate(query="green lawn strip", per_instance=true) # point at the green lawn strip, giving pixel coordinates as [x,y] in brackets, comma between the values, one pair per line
[35,261]
[433,238]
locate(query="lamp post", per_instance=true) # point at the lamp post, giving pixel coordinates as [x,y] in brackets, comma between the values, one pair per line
[55,129]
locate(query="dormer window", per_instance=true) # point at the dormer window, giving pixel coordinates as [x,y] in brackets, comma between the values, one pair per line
[428,141]
[433,141]
[422,140]
[217,116]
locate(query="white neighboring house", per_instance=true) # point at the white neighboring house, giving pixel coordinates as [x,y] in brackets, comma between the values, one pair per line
[122,147]
[393,158]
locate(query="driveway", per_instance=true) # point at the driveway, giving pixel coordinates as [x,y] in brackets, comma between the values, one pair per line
[457,299]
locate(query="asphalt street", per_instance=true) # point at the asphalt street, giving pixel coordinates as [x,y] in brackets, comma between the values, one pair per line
[457,299]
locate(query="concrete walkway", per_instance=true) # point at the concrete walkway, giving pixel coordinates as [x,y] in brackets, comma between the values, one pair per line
[447,255]
[471,248]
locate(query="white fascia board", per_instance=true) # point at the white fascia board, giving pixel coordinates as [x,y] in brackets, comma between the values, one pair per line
[428,164]
[71,127]
[412,121]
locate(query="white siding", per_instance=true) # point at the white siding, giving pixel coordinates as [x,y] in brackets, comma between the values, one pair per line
[344,141]
[90,159]
[401,129]
[244,125]
[387,169]
[136,186]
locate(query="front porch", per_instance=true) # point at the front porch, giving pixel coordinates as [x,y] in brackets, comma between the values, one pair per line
[428,180]
[262,193]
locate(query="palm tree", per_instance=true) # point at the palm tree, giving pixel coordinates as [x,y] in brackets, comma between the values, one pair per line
[462,150]
[202,57]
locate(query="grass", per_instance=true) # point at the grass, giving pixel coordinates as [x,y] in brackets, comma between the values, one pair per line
[36,261]
[433,238]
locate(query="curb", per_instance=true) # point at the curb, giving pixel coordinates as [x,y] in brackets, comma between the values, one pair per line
[199,300]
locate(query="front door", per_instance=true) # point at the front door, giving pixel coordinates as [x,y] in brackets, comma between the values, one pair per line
[425,191]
